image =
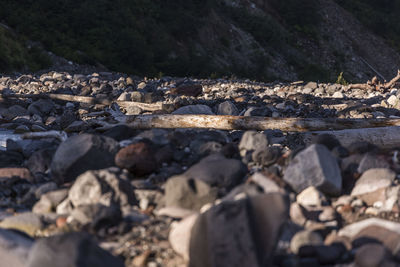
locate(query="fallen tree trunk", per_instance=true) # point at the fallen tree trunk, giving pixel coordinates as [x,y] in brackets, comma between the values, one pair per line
[247,123]
[386,137]
[92,100]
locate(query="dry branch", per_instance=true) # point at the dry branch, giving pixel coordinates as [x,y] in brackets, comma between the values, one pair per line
[374,84]
[247,123]
[93,100]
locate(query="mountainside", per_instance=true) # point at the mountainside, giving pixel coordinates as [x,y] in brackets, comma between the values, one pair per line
[262,39]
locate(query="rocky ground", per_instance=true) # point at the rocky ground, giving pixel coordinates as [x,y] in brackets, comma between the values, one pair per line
[187,197]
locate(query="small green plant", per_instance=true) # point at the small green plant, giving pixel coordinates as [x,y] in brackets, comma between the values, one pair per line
[341,80]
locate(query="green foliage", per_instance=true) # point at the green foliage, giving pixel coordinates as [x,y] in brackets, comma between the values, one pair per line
[341,80]
[14,55]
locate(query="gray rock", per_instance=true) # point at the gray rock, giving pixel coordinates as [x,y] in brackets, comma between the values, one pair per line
[227,108]
[81,153]
[194,109]
[70,250]
[371,181]
[49,201]
[372,161]
[108,186]
[27,222]
[41,107]
[305,238]
[14,111]
[97,215]
[314,166]
[216,170]
[255,111]
[237,228]
[188,193]
[251,141]
[14,248]
[372,255]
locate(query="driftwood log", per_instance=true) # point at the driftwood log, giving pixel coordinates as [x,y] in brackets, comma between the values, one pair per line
[92,100]
[246,123]
[374,84]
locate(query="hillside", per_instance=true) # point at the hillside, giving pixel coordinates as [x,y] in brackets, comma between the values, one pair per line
[261,39]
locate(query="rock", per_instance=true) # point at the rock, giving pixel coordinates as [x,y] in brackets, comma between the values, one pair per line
[311,85]
[260,112]
[120,132]
[27,222]
[70,250]
[108,186]
[314,166]
[40,161]
[10,159]
[81,153]
[14,248]
[370,187]
[392,100]
[216,170]
[194,109]
[305,238]
[297,214]
[137,158]
[41,107]
[311,196]
[188,193]
[97,215]
[227,108]
[267,156]
[15,111]
[49,201]
[76,126]
[372,255]
[251,141]
[338,95]
[180,235]
[187,89]
[22,173]
[174,212]
[328,140]
[156,136]
[237,228]
[265,183]
[372,161]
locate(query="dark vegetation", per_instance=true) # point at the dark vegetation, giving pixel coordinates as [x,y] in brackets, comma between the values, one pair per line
[153,37]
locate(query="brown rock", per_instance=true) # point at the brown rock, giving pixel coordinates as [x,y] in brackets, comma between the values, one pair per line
[137,158]
[22,173]
[187,90]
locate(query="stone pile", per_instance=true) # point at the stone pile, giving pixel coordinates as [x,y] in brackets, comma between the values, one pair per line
[189,197]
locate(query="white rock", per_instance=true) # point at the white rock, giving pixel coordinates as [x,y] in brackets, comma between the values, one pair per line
[311,196]
[373,180]
[179,237]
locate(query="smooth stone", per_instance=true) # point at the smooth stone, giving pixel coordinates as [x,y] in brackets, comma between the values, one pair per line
[81,153]
[216,170]
[373,180]
[137,158]
[371,255]
[49,201]
[97,215]
[251,141]
[311,196]
[27,222]
[238,228]
[265,183]
[70,250]
[41,107]
[194,109]
[188,193]
[372,161]
[180,235]
[314,166]
[108,186]
[305,238]
[227,108]
[14,248]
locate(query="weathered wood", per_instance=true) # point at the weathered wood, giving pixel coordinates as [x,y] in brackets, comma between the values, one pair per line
[92,100]
[249,123]
[60,135]
[385,137]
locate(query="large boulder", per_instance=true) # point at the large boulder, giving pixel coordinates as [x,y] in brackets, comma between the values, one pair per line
[247,230]
[314,166]
[81,153]
[70,250]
